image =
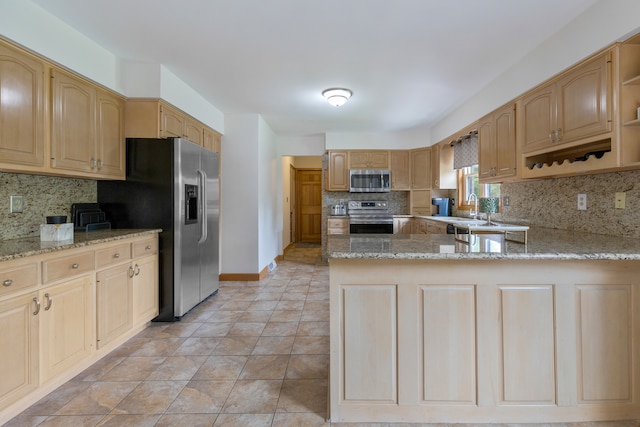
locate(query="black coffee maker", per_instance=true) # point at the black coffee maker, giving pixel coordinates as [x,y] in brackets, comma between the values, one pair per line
[443,204]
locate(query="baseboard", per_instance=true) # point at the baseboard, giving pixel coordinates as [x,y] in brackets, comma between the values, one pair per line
[247,277]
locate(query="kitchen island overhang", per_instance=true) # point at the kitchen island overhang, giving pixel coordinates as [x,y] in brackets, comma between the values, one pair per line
[549,332]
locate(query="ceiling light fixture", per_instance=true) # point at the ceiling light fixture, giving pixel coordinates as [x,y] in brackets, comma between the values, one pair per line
[337,96]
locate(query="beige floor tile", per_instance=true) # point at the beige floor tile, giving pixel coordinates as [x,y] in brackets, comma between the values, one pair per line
[213,329]
[221,316]
[197,346]
[255,316]
[310,345]
[251,329]
[177,368]
[150,397]
[296,305]
[273,345]
[280,329]
[25,420]
[304,396]
[51,403]
[177,330]
[315,316]
[123,420]
[72,421]
[262,306]
[133,369]
[285,316]
[270,367]
[308,366]
[313,329]
[99,398]
[253,396]
[269,296]
[202,397]
[158,347]
[299,419]
[221,368]
[244,420]
[235,305]
[186,420]
[235,346]
[293,296]
[316,306]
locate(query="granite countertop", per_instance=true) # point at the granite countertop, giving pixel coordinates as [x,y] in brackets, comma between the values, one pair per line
[543,243]
[28,246]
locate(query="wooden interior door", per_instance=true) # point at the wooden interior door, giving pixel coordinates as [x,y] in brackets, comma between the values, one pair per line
[309,205]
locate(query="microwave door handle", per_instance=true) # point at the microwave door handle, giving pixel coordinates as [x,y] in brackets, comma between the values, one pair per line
[203,206]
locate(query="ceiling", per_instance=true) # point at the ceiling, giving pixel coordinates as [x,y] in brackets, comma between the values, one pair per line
[408,62]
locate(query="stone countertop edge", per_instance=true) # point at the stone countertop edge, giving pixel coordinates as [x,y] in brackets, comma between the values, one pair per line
[543,244]
[30,246]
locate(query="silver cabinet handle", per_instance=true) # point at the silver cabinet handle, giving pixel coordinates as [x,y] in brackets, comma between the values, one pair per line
[49,302]
[37,301]
[116,255]
[558,134]
[131,272]
[7,282]
[137,269]
[75,265]
[551,137]
[148,247]
[93,163]
[99,164]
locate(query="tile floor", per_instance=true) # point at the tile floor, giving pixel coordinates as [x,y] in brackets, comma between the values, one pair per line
[256,354]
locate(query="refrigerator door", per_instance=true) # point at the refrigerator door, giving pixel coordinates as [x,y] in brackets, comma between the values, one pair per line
[208,247]
[187,227]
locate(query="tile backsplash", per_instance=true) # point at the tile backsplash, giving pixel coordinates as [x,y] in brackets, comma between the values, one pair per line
[42,196]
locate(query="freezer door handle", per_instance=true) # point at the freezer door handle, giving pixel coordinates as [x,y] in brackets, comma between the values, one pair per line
[203,205]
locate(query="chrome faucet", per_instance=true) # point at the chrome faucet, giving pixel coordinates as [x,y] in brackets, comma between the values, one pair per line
[474,212]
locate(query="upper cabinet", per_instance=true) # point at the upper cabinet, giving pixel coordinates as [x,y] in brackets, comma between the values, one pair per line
[376,159]
[22,110]
[153,118]
[574,106]
[443,176]
[497,145]
[421,169]
[87,128]
[337,173]
[400,170]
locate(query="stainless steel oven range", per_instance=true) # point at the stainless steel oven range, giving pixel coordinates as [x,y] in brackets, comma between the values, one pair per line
[372,217]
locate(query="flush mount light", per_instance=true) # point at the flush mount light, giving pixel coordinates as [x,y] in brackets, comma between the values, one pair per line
[337,96]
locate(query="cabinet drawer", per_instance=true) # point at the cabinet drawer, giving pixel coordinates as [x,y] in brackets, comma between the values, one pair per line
[145,247]
[113,255]
[68,266]
[13,278]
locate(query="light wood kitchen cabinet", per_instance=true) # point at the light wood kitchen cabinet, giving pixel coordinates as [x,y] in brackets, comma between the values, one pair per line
[212,140]
[573,106]
[338,226]
[436,227]
[375,159]
[421,169]
[402,225]
[176,124]
[400,170]
[114,299]
[66,325]
[497,145]
[88,128]
[337,171]
[443,176]
[19,341]
[145,281]
[22,134]
[420,201]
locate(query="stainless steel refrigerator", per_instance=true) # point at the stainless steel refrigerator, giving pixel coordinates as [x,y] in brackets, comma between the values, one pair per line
[172,184]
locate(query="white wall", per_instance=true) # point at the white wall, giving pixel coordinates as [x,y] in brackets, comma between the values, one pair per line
[239,195]
[287,162]
[301,145]
[269,196]
[605,22]
[411,138]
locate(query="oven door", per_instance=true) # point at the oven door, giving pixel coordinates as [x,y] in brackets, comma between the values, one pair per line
[371,228]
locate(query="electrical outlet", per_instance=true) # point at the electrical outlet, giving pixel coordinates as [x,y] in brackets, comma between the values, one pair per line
[506,201]
[621,200]
[16,204]
[582,202]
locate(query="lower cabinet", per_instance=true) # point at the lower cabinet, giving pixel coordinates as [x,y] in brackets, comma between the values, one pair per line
[114,300]
[66,325]
[145,289]
[19,341]
[402,225]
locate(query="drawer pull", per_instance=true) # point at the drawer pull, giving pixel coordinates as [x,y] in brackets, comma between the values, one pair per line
[37,301]
[147,247]
[131,272]
[49,302]
[75,265]
[7,282]
[116,255]
[137,269]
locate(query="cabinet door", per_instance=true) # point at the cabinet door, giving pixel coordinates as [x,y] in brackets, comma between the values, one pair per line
[21,115]
[66,324]
[504,135]
[378,159]
[212,140]
[171,123]
[539,118]
[338,172]
[145,290]
[400,168]
[19,341]
[114,303]
[486,148]
[582,100]
[193,131]
[73,136]
[421,168]
[110,135]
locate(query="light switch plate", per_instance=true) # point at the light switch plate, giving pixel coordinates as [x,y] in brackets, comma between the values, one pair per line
[621,200]
[16,204]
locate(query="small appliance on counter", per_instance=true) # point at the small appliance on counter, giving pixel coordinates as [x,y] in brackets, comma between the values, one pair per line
[443,204]
[339,210]
[56,229]
[88,217]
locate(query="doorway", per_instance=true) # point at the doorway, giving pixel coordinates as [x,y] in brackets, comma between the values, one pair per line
[308,207]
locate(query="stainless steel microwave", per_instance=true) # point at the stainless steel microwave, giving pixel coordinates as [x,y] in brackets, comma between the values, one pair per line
[369,180]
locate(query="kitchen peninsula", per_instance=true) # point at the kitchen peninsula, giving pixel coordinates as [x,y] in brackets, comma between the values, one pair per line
[428,329]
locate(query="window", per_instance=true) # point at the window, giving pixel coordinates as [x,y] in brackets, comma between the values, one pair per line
[468,183]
